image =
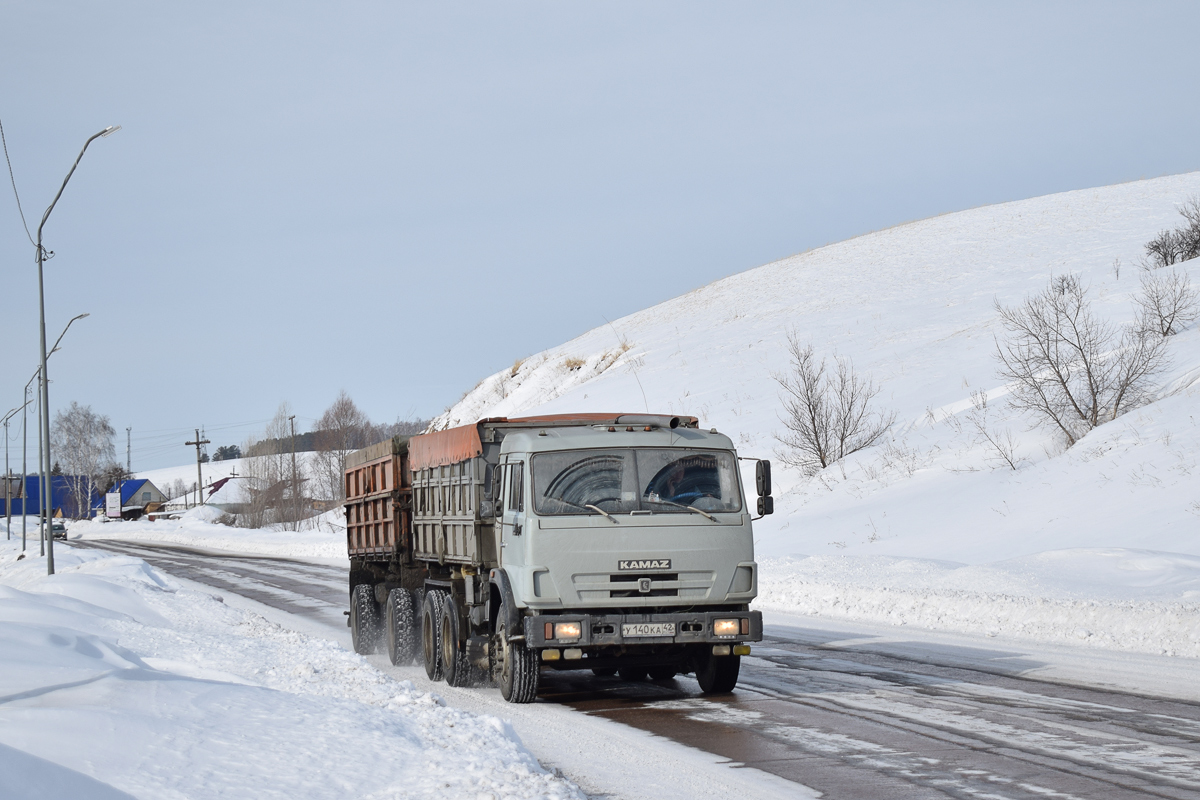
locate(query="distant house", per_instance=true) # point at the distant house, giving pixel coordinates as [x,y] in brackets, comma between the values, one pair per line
[138,496]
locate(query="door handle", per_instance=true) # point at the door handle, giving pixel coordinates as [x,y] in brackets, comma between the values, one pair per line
[516,529]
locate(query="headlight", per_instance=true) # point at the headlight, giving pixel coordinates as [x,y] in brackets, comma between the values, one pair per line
[726,627]
[567,630]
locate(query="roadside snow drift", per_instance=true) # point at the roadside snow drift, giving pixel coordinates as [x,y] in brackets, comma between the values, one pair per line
[116,682]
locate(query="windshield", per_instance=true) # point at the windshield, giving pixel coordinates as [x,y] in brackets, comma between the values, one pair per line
[666,480]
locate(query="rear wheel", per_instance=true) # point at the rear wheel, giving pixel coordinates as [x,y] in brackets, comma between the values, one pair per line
[717,674]
[663,673]
[516,665]
[400,625]
[633,673]
[457,670]
[364,619]
[431,628]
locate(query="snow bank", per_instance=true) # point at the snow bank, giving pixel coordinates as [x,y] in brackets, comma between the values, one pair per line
[116,682]
[325,537]
[1134,600]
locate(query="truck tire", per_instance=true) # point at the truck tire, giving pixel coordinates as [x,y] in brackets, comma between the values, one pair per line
[457,670]
[717,674]
[431,640]
[663,673]
[400,627]
[364,619]
[517,665]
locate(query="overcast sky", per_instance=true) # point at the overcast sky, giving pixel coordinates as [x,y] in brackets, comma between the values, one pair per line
[397,199]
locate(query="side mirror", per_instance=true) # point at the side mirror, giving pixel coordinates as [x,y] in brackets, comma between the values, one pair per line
[762,478]
[766,505]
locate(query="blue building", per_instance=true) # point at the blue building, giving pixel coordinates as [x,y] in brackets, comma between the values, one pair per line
[62,497]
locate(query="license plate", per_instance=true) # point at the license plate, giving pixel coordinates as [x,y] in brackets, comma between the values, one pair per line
[648,629]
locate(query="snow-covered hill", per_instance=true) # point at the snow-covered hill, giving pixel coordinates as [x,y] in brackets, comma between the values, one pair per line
[913,307]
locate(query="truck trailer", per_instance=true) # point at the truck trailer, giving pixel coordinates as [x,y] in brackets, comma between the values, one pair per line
[609,542]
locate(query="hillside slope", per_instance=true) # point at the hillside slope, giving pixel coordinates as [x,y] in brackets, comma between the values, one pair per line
[913,307]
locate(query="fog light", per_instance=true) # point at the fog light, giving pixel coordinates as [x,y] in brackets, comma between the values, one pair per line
[720,649]
[575,652]
[727,627]
[740,650]
[551,655]
[566,630]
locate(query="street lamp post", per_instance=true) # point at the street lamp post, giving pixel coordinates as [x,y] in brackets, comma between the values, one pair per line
[8,473]
[43,501]
[41,256]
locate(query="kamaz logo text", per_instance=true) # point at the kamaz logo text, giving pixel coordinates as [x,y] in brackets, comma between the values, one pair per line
[646,563]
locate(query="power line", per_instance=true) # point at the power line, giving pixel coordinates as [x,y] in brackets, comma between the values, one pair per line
[13,178]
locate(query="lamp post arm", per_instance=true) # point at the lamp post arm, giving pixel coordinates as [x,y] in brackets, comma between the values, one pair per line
[54,202]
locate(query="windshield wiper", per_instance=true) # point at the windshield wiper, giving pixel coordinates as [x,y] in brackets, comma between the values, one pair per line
[681,505]
[590,506]
[600,510]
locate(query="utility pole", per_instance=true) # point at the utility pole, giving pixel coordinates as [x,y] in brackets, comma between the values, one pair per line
[128,457]
[24,466]
[7,484]
[199,476]
[295,501]
[43,492]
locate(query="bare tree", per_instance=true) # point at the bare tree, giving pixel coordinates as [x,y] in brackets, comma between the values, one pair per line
[276,495]
[1002,443]
[1181,244]
[179,489]
[1071,369]
[342,429]
[83,445]
[828,416]
[1167,303]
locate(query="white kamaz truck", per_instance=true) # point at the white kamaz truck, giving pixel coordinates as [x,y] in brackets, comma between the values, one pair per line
[609,542]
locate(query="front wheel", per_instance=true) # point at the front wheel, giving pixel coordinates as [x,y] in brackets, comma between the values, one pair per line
[717,674]
[364,619]
[516,665]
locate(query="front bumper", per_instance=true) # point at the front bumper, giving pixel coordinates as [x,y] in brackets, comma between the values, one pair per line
[606,630]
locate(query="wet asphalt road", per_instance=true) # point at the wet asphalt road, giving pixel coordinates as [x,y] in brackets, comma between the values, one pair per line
[853,722]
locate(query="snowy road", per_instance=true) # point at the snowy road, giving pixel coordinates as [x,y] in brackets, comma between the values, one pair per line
[848,713]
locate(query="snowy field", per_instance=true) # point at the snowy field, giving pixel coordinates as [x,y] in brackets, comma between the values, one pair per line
[117,681]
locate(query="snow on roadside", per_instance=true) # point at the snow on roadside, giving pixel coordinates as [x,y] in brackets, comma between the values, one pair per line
[324,539]
[118,682]
[1113,598]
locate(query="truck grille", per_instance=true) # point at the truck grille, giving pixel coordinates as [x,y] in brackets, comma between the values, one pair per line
[631,588]
[604,586]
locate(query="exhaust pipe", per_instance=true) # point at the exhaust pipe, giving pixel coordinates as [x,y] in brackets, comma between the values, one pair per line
[655,420]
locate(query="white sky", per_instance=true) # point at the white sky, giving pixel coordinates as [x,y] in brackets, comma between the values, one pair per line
[398,199]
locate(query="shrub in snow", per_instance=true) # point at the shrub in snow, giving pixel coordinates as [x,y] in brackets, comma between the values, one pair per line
[827,415]
[1072,370]
[1181,244]
[1168,303]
